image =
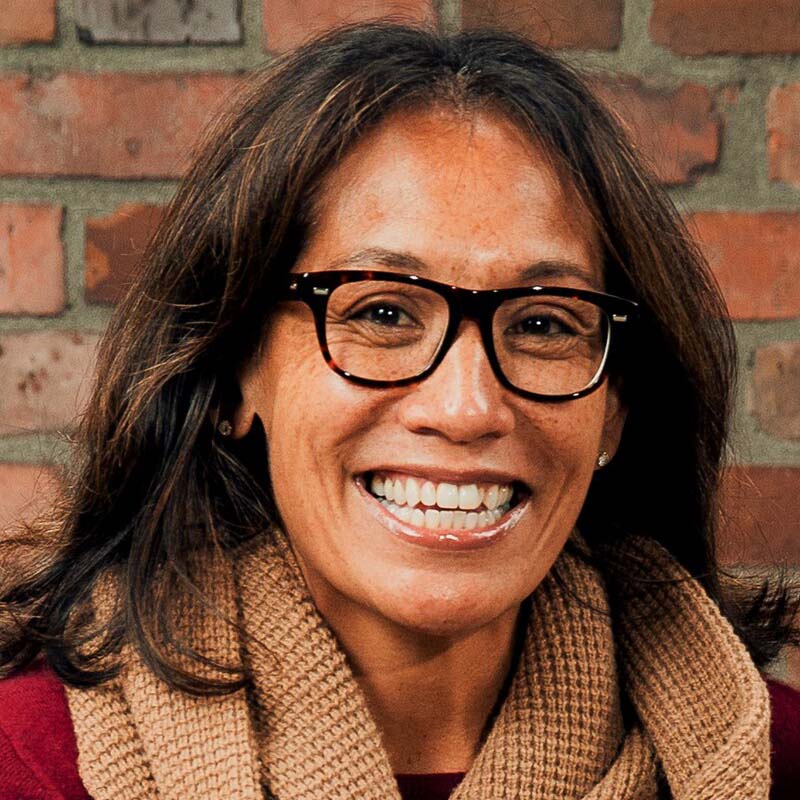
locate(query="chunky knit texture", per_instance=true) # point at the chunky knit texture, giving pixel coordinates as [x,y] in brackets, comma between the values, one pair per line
[699,711]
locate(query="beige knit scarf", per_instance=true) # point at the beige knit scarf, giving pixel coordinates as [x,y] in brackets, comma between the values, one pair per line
[699,709]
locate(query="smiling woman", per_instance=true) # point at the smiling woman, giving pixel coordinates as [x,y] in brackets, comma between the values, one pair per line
[402,460]
[471,202]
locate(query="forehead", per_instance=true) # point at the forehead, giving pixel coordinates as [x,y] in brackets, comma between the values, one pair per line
[467,194]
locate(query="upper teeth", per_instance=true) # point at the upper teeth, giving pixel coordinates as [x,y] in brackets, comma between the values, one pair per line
[413,491]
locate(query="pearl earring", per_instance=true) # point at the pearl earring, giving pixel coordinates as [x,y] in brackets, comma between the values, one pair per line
[602,459]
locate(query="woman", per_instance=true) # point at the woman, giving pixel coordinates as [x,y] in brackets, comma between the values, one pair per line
[494,378]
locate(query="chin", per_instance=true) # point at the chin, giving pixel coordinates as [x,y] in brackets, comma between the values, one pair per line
[448,613]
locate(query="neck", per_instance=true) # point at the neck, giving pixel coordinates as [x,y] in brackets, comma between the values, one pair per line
[431,696]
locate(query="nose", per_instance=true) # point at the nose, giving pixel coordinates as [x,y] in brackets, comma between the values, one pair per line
[462,400]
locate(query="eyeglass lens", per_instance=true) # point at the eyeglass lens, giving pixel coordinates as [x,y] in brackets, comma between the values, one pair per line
[389,331]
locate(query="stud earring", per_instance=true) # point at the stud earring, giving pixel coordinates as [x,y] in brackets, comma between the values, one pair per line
[225,428]
[602,459]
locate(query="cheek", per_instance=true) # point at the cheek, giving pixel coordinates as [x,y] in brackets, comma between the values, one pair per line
[564,444]
[310,414]
[569,434]
[286,367]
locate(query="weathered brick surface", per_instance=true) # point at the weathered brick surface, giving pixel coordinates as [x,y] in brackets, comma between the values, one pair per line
[105,125]
[26,490]
[158,21]
[783,133]
[31,259]
[774,397]
[584,24]
[288,23]
[678,131]
[45,378]
[27,21]
[114,247]
[756,259]
[762,509]
[129,126]
[703,27]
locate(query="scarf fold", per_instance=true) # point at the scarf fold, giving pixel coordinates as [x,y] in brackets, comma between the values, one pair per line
[303,731]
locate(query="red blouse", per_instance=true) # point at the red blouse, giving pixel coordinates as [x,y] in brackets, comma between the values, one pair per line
[428,787]
[39,756]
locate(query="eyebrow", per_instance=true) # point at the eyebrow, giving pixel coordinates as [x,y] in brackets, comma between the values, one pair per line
[405,262]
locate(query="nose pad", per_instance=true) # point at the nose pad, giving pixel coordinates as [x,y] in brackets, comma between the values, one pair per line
[462,399]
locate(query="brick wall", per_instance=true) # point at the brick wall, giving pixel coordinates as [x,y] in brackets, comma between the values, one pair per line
[98,109]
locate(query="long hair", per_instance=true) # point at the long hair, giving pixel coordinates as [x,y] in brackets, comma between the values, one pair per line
[150,482]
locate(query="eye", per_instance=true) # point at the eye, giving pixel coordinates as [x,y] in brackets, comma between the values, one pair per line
[384,314]
[541,324]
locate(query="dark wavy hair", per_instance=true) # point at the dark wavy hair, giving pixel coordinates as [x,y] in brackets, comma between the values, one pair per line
[150,482]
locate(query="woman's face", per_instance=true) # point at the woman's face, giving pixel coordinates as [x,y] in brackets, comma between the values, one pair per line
[475,203]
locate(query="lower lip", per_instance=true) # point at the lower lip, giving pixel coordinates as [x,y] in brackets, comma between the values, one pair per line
[474,539]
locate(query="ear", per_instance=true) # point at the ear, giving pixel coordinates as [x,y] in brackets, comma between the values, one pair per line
[244,409]
[614,420]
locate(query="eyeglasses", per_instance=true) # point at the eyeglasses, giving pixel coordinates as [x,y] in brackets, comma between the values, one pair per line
[388,329]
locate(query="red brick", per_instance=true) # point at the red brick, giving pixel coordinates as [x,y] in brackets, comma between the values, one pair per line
[288,23]
[105,125]
[26,490]
[45,378]
[774,397]
[704,27]
[783,133]
[114,247]
[756,259]
[676,130]
[762,510]
[584,24]
[27,21]
[31,259]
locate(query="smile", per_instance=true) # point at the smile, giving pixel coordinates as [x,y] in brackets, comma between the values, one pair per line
[443,515]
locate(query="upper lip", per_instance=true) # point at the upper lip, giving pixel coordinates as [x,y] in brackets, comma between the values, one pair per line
[442,475]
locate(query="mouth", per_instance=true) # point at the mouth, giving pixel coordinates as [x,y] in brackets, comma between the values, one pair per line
[444,515]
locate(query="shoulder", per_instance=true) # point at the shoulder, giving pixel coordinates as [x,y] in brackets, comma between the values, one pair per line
[38,754]
[785,736]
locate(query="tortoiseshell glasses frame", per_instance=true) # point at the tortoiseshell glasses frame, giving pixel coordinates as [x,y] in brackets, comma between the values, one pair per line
[316,288]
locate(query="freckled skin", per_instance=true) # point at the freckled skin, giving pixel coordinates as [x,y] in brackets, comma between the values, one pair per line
[477,202]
